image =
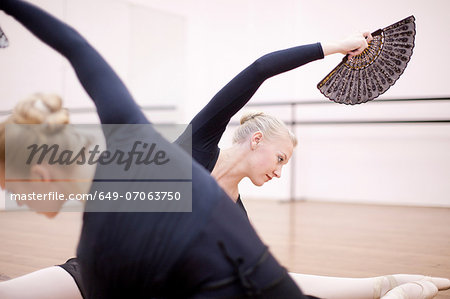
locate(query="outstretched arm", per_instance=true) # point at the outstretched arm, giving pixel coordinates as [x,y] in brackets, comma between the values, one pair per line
[112,99]
[210,123]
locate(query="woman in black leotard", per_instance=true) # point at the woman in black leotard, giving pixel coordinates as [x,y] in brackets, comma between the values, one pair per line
[261,275]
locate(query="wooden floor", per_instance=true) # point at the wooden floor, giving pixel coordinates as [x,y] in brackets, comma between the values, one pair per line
[317,238]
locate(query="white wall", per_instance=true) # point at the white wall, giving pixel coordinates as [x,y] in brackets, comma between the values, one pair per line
[202,44]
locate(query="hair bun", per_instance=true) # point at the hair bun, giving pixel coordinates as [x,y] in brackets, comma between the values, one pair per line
[41,109]
[250,115]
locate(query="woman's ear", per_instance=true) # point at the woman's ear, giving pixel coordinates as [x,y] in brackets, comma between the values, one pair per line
[256,139]
[40,172]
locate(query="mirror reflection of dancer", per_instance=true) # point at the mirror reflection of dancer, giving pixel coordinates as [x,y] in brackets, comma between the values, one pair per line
[263,144]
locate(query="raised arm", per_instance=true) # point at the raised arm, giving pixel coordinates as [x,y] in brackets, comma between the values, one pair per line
[112,99]
[210,123]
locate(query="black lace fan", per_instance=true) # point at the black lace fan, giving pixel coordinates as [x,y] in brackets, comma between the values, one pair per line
[3,40]
[369,74]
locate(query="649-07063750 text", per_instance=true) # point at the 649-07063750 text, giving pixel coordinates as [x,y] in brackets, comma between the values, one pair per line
[103,196]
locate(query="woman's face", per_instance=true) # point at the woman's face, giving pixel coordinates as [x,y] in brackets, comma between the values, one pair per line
[47,208]
[268,157]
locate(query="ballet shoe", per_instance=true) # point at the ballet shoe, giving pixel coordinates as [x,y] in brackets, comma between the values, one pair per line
[441,283]
[410,290]
[383,284]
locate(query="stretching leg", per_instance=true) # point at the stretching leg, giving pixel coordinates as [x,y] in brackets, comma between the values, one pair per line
[48,283]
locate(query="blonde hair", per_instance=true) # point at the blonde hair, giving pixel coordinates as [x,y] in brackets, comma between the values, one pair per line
[269,125]
[46,111]
[40,109]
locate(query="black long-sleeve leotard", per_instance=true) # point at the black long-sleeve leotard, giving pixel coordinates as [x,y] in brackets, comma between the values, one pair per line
[198,254]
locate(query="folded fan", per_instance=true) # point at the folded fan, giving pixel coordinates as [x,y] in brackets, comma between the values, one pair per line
[366,76]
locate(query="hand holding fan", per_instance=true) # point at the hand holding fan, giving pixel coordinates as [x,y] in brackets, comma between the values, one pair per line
[366,76]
